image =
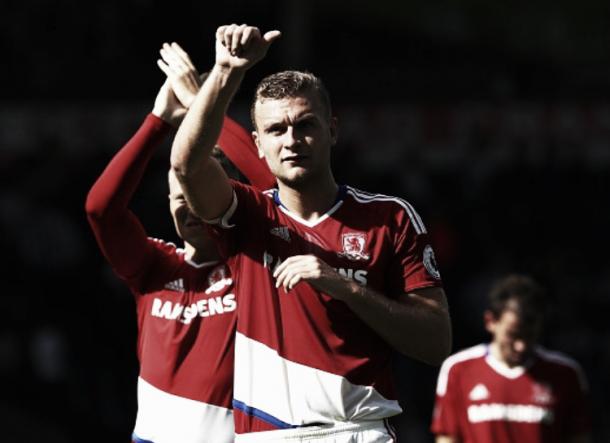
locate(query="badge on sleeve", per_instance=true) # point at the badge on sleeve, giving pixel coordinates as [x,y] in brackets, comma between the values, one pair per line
[430,263]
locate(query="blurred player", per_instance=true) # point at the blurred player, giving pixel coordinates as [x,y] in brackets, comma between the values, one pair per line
[331,279]
[184,296]
[511,390]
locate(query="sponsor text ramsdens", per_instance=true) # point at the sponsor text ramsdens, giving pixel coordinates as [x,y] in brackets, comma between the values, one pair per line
[202,308]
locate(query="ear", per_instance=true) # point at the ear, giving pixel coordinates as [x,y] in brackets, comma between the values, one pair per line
[334,130]
[257,143]
[490,321]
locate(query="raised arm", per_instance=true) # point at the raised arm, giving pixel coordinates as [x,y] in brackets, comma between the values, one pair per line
[118,231]
[204,183]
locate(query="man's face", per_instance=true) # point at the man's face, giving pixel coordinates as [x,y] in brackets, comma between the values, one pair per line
[295,135]
[513,336]
[189,227]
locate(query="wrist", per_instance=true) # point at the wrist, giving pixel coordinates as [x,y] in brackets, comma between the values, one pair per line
[228,73]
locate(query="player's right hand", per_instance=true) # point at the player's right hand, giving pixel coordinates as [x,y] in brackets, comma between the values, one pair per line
[240,47]
[181,73]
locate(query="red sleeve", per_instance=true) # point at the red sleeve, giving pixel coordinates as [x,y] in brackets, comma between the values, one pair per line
[248,212]
[118,231]
[238,146]
[445,418]
[414,265]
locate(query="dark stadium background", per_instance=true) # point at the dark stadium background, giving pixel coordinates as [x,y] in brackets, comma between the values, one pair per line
[491,118]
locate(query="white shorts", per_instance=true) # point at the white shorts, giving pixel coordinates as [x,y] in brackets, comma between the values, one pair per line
[378,431]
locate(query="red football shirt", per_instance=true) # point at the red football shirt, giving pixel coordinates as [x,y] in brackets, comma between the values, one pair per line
[303,357]
[186,311]
[479,399]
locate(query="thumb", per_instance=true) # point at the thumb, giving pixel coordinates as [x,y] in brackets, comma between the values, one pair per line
[271,36]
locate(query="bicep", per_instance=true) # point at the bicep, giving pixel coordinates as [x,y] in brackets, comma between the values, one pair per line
[432,298]
[208,191]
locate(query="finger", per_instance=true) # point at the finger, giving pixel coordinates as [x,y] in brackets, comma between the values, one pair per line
[298,268]
[183,55]
[236,40]
[247,35]
[165,68]
[220,32]
[271,36]
[173,60]
[228,36]
[286,263]
[292,282]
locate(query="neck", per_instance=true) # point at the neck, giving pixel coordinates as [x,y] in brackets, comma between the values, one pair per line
[200,255]
[309,200]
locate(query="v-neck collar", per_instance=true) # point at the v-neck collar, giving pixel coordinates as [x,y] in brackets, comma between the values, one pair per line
[341,193]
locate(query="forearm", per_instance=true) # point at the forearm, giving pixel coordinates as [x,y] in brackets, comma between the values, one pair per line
[414,325]
[202,124]
[114,188]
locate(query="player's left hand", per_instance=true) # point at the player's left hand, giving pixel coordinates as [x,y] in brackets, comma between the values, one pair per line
[181,73]
[311,269]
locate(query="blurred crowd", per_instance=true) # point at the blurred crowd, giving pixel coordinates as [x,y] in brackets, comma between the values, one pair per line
[513,186]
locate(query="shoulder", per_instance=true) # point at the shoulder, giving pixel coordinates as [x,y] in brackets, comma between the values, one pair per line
[246,193]
[562,362]
[455,361]
[393,207]
[165,247]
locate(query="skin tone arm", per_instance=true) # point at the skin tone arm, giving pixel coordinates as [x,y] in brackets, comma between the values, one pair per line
[205,185]
[446,439]
[416,324]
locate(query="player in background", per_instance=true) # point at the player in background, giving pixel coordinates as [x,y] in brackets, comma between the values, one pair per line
[184,296]
[331,281]
[511,390]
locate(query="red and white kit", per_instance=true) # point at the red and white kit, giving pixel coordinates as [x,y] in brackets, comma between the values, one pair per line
[480,399]
[302,357]
[185,311]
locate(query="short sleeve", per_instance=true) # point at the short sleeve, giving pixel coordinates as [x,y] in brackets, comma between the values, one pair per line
[445,417]
[249,210]
[413,264]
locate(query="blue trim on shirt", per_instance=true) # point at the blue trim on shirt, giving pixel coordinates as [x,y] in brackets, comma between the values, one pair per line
[136,439]
[249,410]
[341,193]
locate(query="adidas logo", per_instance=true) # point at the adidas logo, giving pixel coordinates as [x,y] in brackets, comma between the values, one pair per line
[479,392]
[176,285]
[281,232]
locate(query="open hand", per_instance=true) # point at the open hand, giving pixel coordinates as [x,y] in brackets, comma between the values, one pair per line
[311,269]
[181,73]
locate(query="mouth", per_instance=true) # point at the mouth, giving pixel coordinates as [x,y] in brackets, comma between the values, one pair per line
[296,158]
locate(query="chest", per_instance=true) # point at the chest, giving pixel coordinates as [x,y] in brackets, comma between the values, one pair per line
[361,252]
[184,294]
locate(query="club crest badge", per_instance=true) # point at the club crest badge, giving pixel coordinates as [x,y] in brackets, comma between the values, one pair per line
[217,274]
[353,247]
[430,263]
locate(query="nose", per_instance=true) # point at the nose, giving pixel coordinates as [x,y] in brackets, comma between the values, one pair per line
[291,137]
[519,346]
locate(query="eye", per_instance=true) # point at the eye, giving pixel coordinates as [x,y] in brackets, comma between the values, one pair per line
[276,129]
[307,123]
